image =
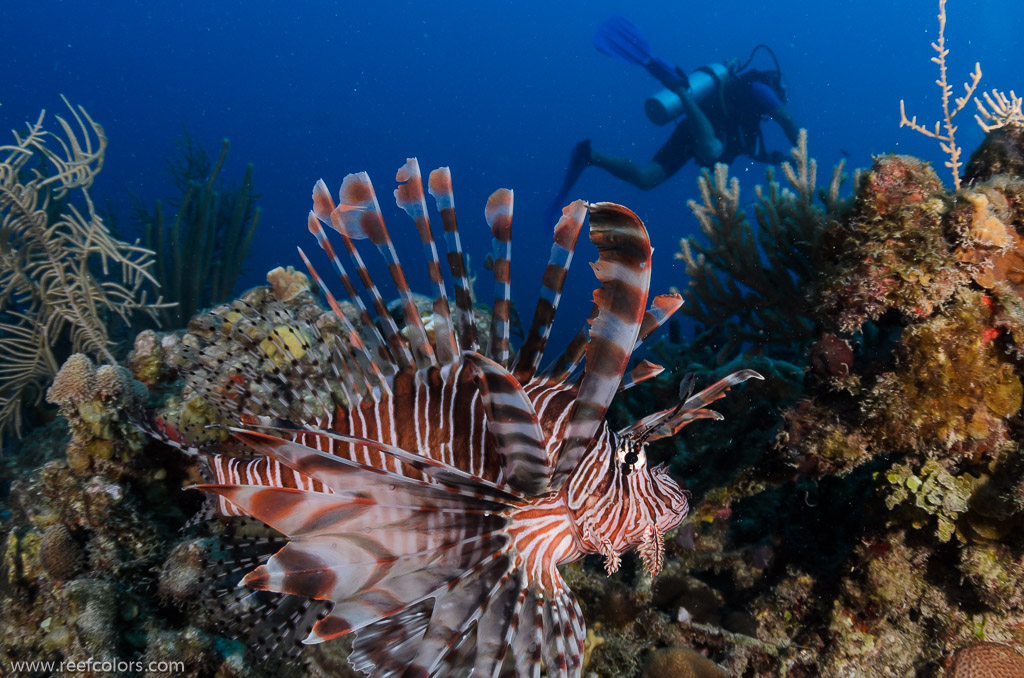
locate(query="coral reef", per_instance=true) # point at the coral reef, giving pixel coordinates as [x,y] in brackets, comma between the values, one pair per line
[98,405]
[58,291]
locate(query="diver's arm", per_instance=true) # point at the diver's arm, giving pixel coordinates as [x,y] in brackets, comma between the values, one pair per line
[708,146]
[781,116]
[789,127]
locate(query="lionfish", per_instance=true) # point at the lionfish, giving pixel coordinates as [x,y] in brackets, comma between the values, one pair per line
[427,508]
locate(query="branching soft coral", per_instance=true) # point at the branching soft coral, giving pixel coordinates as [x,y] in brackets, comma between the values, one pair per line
[62,274]
[752,287]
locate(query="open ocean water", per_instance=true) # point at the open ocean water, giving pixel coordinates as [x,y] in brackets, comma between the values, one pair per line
[498,91]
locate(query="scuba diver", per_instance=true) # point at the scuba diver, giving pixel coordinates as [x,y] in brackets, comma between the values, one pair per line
[721,107]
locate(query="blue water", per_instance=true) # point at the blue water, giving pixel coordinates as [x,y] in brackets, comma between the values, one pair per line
[498,91]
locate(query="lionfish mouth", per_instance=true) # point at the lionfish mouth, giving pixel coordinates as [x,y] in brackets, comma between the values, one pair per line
[429,480]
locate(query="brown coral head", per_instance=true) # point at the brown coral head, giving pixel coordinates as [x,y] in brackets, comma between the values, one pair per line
[832,357]
[896,181]
[681,662]
[75,382]
[60,554]
[986,660]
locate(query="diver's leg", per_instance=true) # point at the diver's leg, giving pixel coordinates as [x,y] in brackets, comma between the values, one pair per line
[578,161]
[644,178]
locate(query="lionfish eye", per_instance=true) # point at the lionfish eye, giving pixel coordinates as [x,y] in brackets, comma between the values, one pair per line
[631,458]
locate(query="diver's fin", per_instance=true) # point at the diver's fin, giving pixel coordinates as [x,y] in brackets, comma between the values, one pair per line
[619,38]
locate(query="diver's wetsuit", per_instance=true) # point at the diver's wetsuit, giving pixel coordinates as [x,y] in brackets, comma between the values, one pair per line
[749,103]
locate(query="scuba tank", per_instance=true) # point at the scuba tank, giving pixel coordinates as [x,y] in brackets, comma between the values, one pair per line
[665,106]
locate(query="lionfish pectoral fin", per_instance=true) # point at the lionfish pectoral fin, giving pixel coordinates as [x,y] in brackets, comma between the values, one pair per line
[495,629]
[624,271]
[456,609]
[269,623]
[513,422]
[388,646]
[344,475]
[550,628]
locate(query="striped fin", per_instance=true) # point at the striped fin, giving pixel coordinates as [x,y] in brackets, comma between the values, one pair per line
[357,191]
[345,220]
[389,645]
[456,609]
[662,308]
[563,367]
[440,186]
[563,633]
[624,269]
[262,470]
[326,212]
[567,232]
[368,366]
[338,473]
[409,196]
[498,214]
[513,422]
[495,628]
[668,422]
[639,374]
[528,642]
[268,623]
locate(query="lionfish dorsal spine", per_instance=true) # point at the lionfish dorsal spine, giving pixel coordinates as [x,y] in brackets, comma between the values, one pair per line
[324,211]
[513,423]
[357,191]
[567,232]
[362,363]
[498,214]
[643,371]
[624,271]
[409,196]
[662,308]
[564,367]
[439,184]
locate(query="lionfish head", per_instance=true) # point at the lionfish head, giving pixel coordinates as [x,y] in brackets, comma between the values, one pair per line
[638,502]
[665,499]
